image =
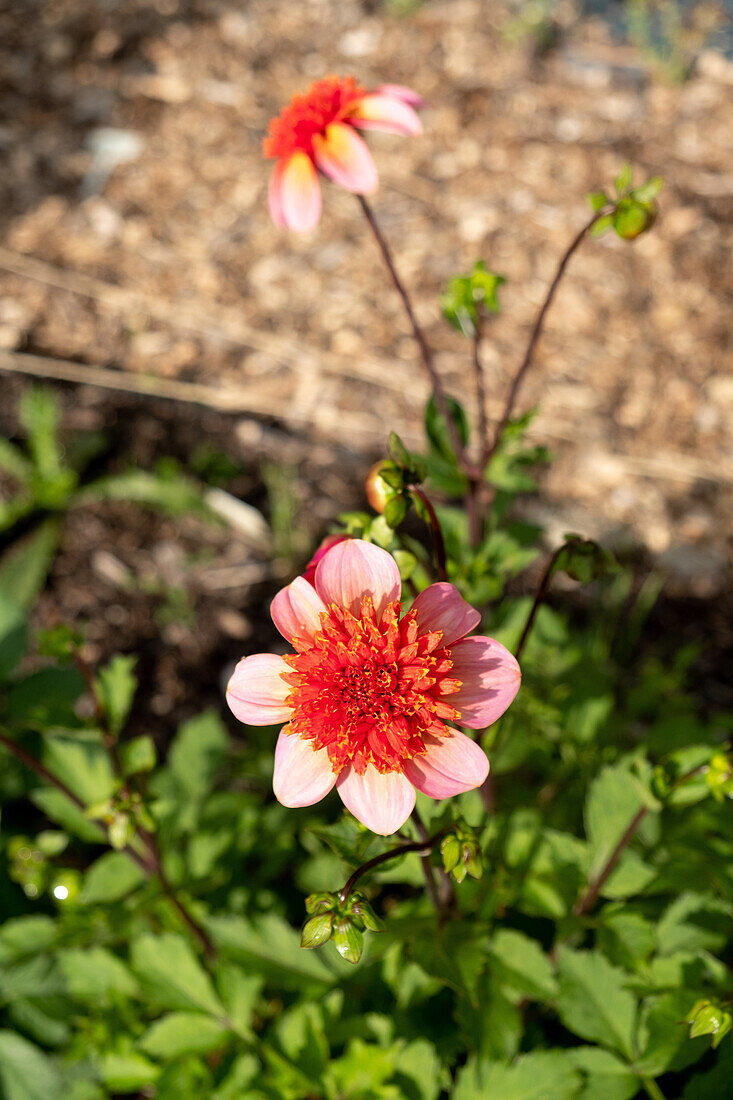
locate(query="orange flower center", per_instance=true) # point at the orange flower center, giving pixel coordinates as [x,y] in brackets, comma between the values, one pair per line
[368,690]
[328,100]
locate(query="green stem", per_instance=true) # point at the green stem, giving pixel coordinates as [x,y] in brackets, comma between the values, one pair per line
[414,846]
[652,1089]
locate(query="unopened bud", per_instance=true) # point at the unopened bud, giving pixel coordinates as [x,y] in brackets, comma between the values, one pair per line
[378,492]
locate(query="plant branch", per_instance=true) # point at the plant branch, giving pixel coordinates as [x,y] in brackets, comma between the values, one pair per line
[478,367]
[150,864]
[587,900]
[535,335]
[436,530]
[425,351]
[442,895]
[652,1089]
[42,772]
[539,599]
[404,849]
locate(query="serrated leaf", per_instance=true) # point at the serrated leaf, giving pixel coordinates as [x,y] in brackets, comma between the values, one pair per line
[112,877]
[437,430]
[181,1033]
[95,976]
[167,967]
[593,1001]
[606,1076]
[541,1075]
[24,568]
[197,753]
[522,964]
[138,755]
[26,1073]
[62,810]
[270,947]
[669,1047]
[612,803]
[82,762]
[115,686]
[127,1073]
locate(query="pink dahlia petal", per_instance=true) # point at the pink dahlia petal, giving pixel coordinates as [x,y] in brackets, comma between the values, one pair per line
[296,610]
[302,776]
[399,91]
[490,676]
[354,569]
[309,573]
[342,155]
[451,765]
[441,607]
[383,112]
[298,192]
[256,692]
[381,802]
[274,195]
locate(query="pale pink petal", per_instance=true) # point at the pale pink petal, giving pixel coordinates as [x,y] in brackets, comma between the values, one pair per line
[274,194]
[381,802]
[399,91]
[256,692]
[442,607]
[382,112]
[301,776]
[451,765]
[490,676]
[354,569]
[342,155]
[296,610]
[299,193]
[309,573]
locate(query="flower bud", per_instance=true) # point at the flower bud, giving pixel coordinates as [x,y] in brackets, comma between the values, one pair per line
[349,940]
[378,492]
[317,930]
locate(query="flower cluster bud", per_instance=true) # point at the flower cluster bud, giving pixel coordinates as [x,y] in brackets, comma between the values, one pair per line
[389,480]
[709,1018]
[584,560]
[123,814]
[344,922]
[719,776]
[461,853]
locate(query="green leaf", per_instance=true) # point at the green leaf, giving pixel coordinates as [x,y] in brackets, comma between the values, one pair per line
[542,1075]
[112,877]
[13,635]
[606,1076]
[593,1001]
[647,192]
[83,764]
[270,947]
[62,810]
[521,963]
[39,413]
[396,509]
[419,1073]
[167,490]
[715,1083]
[46,698]
[245,1070]
[183,1033]
[138,755]
[240,993]
[624,178]
[597,200]
[669,1046]
[613,801]
[14,462]
[25,1071]
[24,568]
[95,976]
[115,686]
[694,922]
[167,966]
[600,227]
[127,1073]
[465,293]
[24,936]
[197,753]
[437,431]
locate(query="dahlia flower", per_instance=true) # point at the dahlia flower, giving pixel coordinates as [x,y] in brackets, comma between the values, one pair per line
[370,693]
[317,132]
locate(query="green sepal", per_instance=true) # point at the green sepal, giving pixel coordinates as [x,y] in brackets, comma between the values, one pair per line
[317,930]
[349,940]
[361,908]
[396,509]
[320,903]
